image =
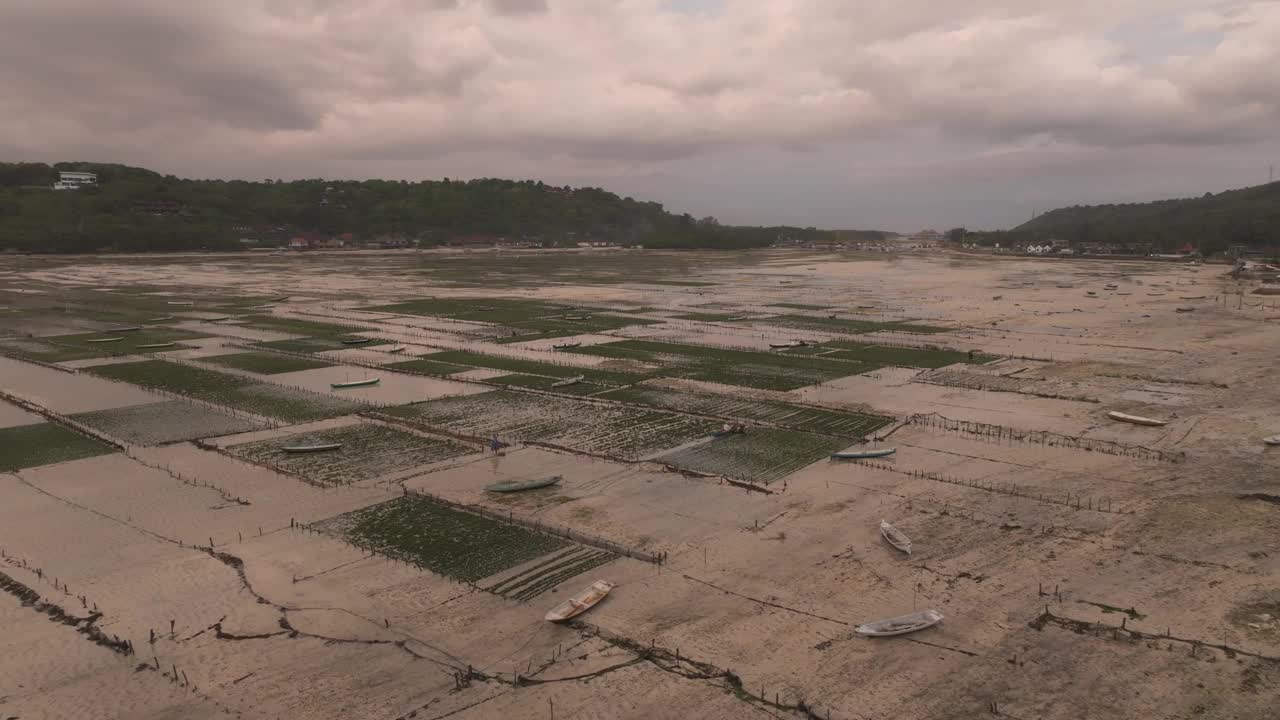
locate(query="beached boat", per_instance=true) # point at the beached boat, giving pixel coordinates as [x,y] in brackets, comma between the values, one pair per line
[397,349]
[895,537]
[863,454]
[1136,419]
[569,381]
[127,328]
[581,602]
[105,340]
[157,346]
[219,319]
[1184,309]
[282,298]
[900,625]
[356,341]
[1194,297]
[1155,294]
[322,447]
[354,384]
[567,346]
[518,485]
[577,318]
[1273,440]
[1124,293]
[181,302]
[729,429]
[166,318]
[1092,294]
[736,318]
[268,306]
[792,344]
[1110,287]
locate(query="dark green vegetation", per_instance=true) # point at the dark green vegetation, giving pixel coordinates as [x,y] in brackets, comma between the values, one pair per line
[1211,223]
[797,417]
[759,455]
[845,325]
[542,576]
[531,367]
[164,422]
[230,390]
[137,209]
[368,451]
[318,344]
[539,382]
[903,356]
[521,320]
[604,429]
[428,367]
[62,348]
[28,446]
[445,541]
[745,368]
[266,363]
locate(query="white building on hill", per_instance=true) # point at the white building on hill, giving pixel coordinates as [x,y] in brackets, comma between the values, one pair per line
[75,180]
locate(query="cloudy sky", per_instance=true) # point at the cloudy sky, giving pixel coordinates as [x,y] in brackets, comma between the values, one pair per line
[896,114]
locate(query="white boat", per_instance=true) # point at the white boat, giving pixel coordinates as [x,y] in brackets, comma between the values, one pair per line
[900,625]
[895,537]
[1273,440]
[104,340]
[181,302]
[569,381]
[1136,419]
[863,454]
[354,384]
[157,346]
[581,602]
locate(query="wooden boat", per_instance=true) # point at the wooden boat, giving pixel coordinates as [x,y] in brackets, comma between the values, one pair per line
[895,537]
[354,384]
[181,302]
[268,306]
[157,346]
[518,485]
[282,298]
[581,602]
[166,318]
[356,341]
[1273,440]
[566,346]
[397,349]
[322,447]
[900,625]
[1092,294]
[792,344]
[1155,294]
[862,454]
[105,340]
[569,381]
[1184,309]
[1194,297]
[128,328]
[1136,419]
[1124,293]
[1110,287]
[219,319]
[577,318]
[736,318]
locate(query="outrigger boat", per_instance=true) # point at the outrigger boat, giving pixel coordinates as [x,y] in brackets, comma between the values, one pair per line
[581,602]
[895,537]
[518,485]
[1136,419]
[900,625]
[355,384]
[323,447]
[863,454]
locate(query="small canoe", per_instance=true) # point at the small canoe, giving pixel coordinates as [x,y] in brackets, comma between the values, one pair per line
[282,298]
[861,454]
[900,625]
[219,319]
[1136,419]
[1184,309]
[1092,294]
[736,318]
[166,318]
[397,349]
[1194,297]
[185,303]
[268,306]
[577,318]
[157,346]
[895,537]
[581,602]
[357,341]
[105,340]
[1273,440]
[1155,294]
[567,346]
[354,384]
[569,381]
[1124,293]
[311,448]
[128,328]
[1110,287]
[518,485]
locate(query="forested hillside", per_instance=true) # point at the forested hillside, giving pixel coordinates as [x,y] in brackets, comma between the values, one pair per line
[1211,223]
[135,209]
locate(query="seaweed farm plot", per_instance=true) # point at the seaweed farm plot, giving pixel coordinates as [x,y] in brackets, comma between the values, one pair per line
[443,540]
[760,455]
[850,326]
[367,451]
[744,368]
[603,429]
[266,363]
[165,422]
[28,446]
[797,417]
[926,357]
[549,572]
[532,367]
[232,391]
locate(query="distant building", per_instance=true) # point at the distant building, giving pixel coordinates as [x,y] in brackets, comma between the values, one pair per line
[75,180]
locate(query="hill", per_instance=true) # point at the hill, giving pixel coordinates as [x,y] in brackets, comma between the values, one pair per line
[134,209]
[1212,223]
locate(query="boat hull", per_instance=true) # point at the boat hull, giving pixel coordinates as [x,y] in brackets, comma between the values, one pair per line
[508,487]
[900,625]
[311,448]
[895,537]
[863,454]
[1136,420]
[355,384]
[581,602]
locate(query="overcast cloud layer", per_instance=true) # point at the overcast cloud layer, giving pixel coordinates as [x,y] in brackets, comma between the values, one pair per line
[837,113]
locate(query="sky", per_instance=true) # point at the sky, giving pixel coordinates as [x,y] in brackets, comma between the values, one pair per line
[886,114]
